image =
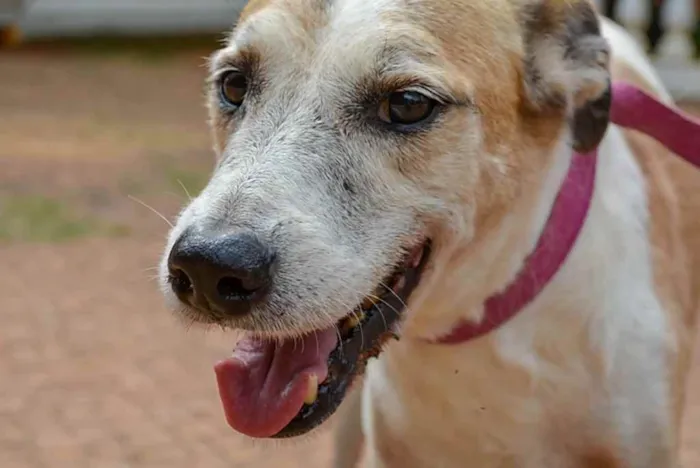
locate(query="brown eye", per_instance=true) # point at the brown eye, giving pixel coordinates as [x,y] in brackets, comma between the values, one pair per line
[406,107]
[234,86]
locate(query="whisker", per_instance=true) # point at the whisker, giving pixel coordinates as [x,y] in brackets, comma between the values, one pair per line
[403,304]
[379,299]
[335,327]
[318,345]
[146,205]
[340,338]
[362,335]
[407,310]
[185,189]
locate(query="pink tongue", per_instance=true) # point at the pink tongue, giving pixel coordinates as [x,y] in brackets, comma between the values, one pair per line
[263,385]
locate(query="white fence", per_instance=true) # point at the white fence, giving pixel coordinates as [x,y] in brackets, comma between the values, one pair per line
[675,52]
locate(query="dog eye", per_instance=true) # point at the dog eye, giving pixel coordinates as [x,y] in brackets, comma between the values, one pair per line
[233,88]
[406,107]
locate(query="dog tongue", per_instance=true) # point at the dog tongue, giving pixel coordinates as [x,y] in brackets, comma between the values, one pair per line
[263,384]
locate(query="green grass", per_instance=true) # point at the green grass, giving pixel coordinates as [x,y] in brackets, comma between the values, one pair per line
[41,219]
[183,179]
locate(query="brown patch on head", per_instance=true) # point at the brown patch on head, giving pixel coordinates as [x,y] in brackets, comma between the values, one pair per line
[479,40]
[549,58]
[551,65]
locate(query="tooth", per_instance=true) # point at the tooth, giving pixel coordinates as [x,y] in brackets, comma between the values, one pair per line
[369,301]
[312,391]
[353,320]
[400,284]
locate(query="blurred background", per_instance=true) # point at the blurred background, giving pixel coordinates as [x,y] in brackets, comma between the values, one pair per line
[102,116]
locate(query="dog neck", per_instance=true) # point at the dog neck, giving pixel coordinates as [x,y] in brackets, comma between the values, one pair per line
[631,108]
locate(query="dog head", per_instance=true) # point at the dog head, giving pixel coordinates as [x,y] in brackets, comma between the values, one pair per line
[363,145]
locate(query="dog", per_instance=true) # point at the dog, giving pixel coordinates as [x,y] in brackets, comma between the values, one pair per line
[437,185]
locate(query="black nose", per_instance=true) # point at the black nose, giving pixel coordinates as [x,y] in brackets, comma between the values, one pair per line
[225,274]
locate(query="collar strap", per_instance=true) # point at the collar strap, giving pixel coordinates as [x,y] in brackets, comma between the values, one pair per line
[673,128]
[631,108]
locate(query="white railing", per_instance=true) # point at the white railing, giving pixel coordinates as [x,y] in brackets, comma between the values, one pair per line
[675,52]
[10,11]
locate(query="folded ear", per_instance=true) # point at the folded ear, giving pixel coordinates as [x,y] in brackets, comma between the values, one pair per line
[566,66]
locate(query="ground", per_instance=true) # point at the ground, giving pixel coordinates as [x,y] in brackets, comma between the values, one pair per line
[94,372]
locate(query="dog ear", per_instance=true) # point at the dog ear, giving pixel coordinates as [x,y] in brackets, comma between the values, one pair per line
[566,66]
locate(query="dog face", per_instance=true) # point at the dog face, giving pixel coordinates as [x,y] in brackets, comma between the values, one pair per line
[355,138]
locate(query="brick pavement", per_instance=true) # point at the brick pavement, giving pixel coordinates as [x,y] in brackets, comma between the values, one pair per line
[94,372]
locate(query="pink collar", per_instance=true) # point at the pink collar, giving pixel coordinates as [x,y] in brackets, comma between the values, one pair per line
[631,108]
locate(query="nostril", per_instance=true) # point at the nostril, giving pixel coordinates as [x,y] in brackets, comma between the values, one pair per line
[234,289]
[180,282]
[220,274]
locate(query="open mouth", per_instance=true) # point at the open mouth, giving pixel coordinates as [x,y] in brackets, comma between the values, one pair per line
[280,389]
